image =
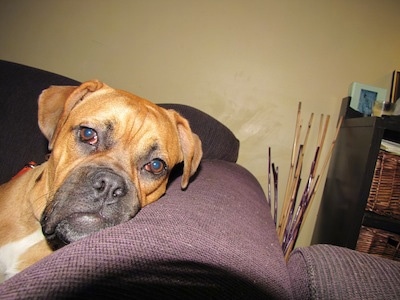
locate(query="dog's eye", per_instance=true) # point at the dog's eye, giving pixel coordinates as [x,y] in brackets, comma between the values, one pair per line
[156,166]
[88,135]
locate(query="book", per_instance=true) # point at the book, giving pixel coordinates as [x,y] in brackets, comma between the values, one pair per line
[390,146]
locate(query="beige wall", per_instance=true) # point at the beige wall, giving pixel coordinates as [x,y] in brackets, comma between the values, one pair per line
[247,63]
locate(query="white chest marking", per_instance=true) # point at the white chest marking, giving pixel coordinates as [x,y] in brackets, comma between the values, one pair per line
[10,253]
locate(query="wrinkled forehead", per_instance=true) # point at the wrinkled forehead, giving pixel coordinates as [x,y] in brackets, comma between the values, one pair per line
[106,103]
[123,112]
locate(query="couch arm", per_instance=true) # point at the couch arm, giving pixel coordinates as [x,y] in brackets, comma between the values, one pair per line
[215,240]
[332,272]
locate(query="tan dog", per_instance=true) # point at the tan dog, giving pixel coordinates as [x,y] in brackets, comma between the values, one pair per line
[112,153]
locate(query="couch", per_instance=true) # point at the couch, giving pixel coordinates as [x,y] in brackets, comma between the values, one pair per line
[215,240]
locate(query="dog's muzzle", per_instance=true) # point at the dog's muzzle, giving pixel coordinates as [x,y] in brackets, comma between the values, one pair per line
[91,199]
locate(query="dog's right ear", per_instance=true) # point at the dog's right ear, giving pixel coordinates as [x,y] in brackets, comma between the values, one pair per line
[55,104]
[51,105]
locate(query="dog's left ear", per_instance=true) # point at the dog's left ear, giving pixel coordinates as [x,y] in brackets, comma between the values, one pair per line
[191,149]
[55,104]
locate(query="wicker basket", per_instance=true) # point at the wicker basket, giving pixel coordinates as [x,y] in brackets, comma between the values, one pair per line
[384,195]
[379,242]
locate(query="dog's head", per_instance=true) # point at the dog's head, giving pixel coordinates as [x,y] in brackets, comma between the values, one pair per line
[112,153]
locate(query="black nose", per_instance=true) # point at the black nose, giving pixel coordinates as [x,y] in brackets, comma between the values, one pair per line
[108,186]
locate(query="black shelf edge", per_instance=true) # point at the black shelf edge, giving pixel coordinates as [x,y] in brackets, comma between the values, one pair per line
[386,223]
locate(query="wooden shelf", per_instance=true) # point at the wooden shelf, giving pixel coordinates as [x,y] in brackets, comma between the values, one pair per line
[374,220]
[342,210]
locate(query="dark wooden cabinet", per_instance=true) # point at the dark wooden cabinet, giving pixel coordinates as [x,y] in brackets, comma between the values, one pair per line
[342,212]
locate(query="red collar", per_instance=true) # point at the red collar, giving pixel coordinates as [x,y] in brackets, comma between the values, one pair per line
[29,166]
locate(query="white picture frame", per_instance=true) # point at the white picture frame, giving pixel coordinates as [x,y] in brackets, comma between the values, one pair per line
[364,96]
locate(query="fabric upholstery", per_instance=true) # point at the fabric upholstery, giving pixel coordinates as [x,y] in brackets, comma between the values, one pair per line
[20,138]
[331,272]
[214,240]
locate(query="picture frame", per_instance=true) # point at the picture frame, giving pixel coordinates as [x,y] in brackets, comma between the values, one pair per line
[395,90]
[363,97]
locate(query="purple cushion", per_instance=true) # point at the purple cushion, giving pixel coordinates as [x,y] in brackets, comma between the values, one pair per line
[332,272]
[214,240]
[20,137]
